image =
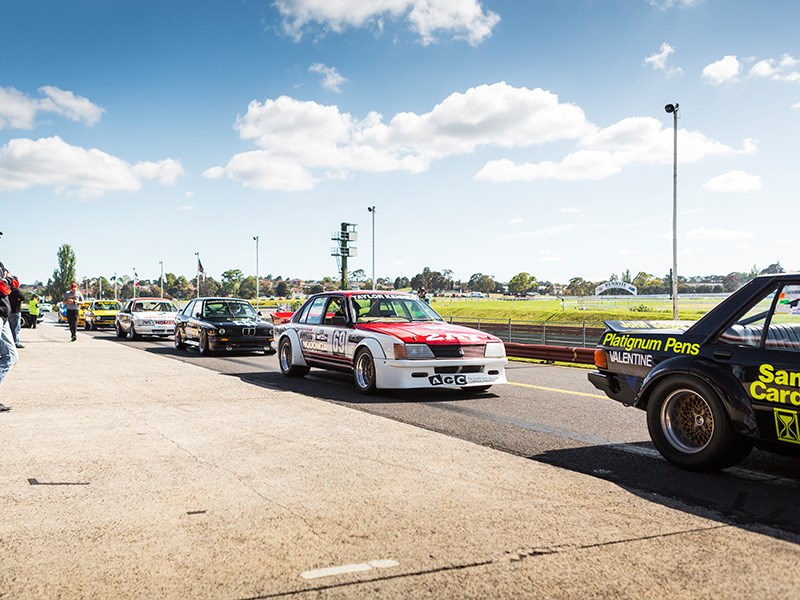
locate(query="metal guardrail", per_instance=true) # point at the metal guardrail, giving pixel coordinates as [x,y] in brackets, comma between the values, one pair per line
[583,335]
[581,356]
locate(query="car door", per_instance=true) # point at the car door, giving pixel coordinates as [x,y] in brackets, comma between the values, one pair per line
[313,339]
[762,347]
[183,320]
[333,331]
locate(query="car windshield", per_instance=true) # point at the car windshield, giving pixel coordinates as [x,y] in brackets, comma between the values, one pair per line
[106,306]
[154,305]
[224,309]
[369,309]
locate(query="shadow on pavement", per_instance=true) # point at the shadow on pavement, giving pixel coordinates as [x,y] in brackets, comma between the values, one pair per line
[723,496]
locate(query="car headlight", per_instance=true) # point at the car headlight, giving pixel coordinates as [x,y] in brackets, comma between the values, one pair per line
[495,350]
[412,351]
[221,331]
[146,322]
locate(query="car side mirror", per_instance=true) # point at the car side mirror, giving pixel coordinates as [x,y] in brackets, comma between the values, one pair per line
[198,315]
[259,314]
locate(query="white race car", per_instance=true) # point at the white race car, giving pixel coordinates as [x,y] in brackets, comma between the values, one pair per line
[146,316]
[387,340]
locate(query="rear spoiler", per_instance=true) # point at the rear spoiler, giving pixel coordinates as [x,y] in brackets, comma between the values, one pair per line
[648,326]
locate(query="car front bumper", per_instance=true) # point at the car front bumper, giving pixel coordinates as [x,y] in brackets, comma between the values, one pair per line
[239,343]
[439,373]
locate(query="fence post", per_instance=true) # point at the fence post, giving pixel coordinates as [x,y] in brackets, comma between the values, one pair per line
[584,334]
[479,324]
[509,331]
[544,333]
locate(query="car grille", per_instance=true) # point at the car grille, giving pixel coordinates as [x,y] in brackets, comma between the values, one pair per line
[456,351]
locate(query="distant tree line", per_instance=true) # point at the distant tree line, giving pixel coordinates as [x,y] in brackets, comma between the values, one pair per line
[233,282]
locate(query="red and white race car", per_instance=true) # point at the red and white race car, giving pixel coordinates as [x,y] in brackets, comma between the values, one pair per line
[387,340]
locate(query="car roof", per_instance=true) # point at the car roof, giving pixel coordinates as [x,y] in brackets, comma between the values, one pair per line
[351,293]
[221,298]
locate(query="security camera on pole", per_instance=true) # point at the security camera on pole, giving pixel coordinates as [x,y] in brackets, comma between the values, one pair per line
[673,109]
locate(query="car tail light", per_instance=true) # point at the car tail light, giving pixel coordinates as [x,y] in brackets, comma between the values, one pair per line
[600,359]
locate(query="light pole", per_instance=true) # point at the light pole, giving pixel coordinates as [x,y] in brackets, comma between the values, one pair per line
[161,279]
[258,297]
[673,108]
[372,210]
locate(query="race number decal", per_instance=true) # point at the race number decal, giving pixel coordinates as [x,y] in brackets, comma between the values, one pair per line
[339,341]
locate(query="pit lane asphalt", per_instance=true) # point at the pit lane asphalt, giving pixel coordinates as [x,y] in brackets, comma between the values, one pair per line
[549,414]
[128,475]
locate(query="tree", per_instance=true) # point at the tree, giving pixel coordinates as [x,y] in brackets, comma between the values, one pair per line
[230,281]
[401,282]
[64,274]
[481,283]
[774,268]
[247,287]
[520,283]
[281,289]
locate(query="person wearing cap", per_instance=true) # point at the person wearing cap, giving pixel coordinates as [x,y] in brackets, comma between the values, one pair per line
[15,299]
[72,301]
[8,350]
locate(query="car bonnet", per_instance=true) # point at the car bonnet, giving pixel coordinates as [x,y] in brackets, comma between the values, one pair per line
[432,333]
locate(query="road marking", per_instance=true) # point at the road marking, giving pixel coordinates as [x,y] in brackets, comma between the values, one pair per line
[345,569]
[548,389]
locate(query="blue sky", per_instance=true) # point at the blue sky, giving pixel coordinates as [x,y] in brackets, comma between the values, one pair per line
[492,136]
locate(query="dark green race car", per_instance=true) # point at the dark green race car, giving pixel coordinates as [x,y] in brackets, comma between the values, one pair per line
[714,388]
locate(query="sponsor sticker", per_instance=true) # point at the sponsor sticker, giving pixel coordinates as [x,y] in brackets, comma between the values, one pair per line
[787,426]
[459,379]
[630,358]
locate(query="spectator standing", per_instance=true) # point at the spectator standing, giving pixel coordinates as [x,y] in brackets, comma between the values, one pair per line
[15,299]
[8,351]
[423,295]
[33,310]
[72,301]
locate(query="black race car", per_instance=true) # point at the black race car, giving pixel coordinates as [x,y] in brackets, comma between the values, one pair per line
[212,324]
[715,388]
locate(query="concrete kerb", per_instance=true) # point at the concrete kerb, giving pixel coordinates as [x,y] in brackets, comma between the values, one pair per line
[125,474]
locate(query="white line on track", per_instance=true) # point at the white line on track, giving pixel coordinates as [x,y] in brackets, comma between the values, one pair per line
[345,569]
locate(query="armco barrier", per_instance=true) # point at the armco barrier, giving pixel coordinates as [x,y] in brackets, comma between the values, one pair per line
[581,356]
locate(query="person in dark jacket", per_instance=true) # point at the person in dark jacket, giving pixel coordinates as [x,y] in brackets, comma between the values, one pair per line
[8,350]
[15,299]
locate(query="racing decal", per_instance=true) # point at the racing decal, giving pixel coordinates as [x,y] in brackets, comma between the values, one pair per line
[448,379]
[340,341]
[630,358]
[787,426]
[772,384]
[650,325]
[355,339]
[436,380]
[629,342]
[454,337]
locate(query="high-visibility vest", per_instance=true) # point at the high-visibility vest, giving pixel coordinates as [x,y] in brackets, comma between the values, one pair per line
[33,307]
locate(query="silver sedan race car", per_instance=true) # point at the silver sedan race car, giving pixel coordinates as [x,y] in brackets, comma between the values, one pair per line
[387,340]
[146,316]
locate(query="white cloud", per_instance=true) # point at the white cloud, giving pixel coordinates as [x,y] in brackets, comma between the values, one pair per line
[72,170]
[734,181]
[462,19]
[331,79]
[19,111]
[186,207]
[570,210]
[717,234]
[516,221]
[302,142]
[723,71]
[544,232]
[796,106]
[665,4]
[605,152]
[783,69]
[659,60]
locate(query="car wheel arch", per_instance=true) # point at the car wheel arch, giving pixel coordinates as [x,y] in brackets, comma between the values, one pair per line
[724,384]
[297,355]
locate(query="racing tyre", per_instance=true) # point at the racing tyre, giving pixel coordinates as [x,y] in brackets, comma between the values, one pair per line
[202,346]
[179,343]
[134,335]
[691,428]
[285,361]
[120,332]
[364,372]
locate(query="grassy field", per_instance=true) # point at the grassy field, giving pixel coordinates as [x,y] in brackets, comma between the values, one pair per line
[576,310]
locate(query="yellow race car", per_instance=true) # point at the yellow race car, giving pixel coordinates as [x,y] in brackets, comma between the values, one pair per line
[98,313]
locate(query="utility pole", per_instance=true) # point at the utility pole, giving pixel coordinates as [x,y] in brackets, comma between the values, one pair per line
[673,109]
[372,210]
[343,251]
[258,297]
[161,280]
